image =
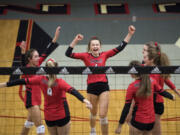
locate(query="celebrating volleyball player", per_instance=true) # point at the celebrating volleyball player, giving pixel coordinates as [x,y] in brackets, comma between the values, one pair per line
[32,99]
[56,110]
[98,88]
[141,91]
[153,56]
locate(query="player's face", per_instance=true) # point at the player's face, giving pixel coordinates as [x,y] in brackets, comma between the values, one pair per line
[146,60]
[95,47]
[145,48]
[34,61]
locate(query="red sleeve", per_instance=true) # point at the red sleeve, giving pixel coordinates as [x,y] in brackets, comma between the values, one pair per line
[78,55]
[41,59]
[34,80]
[130,94]
[170,84]
[157,87]
[64,85]
[111,52]
[116,50]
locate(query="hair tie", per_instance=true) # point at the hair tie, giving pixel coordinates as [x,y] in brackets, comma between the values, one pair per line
[94,37]
[52,60]
[155,43]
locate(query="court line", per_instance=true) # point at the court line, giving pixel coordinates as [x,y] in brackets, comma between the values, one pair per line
[76,118]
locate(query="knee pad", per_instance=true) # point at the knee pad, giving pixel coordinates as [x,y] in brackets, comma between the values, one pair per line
[28,124]
[103,120]
[40,129]
[92,116]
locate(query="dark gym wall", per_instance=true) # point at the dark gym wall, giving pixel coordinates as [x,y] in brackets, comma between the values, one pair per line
[111,29]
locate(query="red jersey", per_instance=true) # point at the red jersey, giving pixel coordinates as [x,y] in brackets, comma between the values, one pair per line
[54,97]
[144,107]
[90,60]
[160,80]
[32,92]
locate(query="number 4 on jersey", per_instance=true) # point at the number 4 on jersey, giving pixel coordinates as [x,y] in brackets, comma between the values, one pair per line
[49,91]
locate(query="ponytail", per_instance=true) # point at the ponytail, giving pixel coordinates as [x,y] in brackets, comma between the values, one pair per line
[145,84]
[51,77]
[159,58]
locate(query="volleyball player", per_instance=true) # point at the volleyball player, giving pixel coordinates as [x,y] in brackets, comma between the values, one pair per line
[32,99]
[141,91]
[98,88]
[56,111]
[153,56]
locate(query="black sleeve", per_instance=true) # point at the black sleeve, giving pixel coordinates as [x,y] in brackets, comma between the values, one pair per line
[77,94]
[121,46]
[16,82]
[23,62]
[50,48]
[166,94]
[124,113]
[69,51]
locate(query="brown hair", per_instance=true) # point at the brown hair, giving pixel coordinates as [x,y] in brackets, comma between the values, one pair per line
[51,77]
[29,55]
[93,38]
[145,84]
[153,45]
[159,58]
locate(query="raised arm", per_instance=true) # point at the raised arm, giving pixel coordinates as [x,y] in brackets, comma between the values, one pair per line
[51,46]
[56,35]
[23,47]
[23,51]
[77,38]
[112,52]
[131,31]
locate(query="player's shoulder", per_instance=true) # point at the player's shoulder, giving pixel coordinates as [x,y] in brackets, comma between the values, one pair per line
[135,84]
[60,80]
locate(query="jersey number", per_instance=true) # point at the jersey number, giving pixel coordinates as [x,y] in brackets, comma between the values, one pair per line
[49,92]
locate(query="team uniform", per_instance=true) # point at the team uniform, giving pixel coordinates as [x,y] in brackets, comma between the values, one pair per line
[97,83]
[143,116]
[33,92]
[56,109]
[158,99]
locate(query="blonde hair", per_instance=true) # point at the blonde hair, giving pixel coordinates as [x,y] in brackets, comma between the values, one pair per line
[145,84]
[51,77]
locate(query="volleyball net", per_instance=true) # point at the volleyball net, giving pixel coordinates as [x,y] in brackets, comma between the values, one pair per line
[13,113]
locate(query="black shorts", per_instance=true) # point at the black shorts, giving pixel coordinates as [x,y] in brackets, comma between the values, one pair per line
[28,99]
[97,88]
[28,106]
[159,108]
[59,123]
[142,126]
